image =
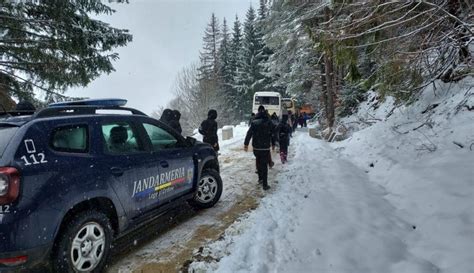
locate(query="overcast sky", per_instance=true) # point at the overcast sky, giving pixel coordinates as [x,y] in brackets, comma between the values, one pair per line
[167,36]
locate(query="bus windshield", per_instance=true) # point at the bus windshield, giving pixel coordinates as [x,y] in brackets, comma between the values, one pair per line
[287,103]
[261,100]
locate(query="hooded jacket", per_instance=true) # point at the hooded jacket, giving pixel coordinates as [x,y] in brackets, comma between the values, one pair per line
[174,122]
[284,131]
[166,116]
[208,128]
[261,132]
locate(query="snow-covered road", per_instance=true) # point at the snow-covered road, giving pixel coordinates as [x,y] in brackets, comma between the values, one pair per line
[325,216]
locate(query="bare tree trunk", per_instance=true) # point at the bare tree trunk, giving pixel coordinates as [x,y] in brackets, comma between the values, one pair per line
[324,88]
[330,83]
[6,103]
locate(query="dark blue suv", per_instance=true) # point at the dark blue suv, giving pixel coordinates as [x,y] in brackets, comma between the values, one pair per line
[75,176]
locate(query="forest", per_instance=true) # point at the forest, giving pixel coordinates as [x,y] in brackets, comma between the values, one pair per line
[327,53]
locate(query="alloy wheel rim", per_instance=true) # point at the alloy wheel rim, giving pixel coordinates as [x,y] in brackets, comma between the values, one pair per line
[88,247]
[207,189]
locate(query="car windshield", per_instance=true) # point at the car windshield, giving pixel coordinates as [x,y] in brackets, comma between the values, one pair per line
[6,133]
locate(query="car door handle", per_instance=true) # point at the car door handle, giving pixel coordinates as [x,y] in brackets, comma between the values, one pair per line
[164,164]
[116,171]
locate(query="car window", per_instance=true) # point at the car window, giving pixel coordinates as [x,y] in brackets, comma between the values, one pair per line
[72,139]
[120,138]
[160,139]
[6,133]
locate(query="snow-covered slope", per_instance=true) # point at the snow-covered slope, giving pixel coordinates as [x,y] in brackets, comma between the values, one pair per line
[397,196]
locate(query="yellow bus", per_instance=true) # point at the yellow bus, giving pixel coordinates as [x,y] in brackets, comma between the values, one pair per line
[289,104]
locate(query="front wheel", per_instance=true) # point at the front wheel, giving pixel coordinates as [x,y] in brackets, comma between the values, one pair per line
[84,245]
[209,189]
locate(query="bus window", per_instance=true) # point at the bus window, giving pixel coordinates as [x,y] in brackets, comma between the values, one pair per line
[267,100]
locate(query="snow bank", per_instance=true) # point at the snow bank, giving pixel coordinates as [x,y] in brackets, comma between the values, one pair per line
[415,157]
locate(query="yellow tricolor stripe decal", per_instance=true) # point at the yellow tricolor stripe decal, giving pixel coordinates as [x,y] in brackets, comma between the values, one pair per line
[169,184]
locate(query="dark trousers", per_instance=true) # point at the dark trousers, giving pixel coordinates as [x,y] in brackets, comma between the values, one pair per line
[262,158]
[283,152]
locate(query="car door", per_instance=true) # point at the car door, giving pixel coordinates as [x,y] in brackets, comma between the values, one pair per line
[121,160]
[172,161]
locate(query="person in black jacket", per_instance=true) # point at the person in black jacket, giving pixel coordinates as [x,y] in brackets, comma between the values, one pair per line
[166,116]
[208,129]
[261,133]
[171,118]
[176,115]
[284,131]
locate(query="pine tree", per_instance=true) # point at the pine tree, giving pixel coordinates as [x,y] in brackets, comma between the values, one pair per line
[226,76]
[250,60]
[235,48]
[265,52]
[53,45]
[209,56]
[263,10]
[209,67]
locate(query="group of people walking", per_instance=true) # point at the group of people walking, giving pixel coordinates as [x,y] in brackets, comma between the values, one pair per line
[265,131]
[300,120]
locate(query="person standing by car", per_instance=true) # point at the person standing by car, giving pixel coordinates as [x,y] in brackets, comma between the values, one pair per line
[176,115]
[284,131]
[208,129]
[261,133]
[166,116]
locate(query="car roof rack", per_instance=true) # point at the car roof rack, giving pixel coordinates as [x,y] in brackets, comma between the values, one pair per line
[91,102]
[75,110]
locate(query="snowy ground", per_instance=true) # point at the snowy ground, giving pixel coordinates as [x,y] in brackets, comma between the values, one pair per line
[397,196]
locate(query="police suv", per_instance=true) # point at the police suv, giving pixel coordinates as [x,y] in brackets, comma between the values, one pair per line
[75,176]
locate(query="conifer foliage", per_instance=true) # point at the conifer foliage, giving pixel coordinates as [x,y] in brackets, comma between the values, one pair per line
[52,45]
[231,68]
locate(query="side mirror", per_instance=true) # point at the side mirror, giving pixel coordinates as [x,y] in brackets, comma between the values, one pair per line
[191,141]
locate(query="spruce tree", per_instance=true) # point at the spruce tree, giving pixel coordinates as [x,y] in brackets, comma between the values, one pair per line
[53,45]
[250,61]
[209,66]
[225,88]
[262,10]
[235,48]
[209,55]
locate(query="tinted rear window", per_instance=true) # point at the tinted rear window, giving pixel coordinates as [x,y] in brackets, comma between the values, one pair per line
[6,134]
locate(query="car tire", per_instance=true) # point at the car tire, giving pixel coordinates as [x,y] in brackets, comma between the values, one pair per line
[209,190]
[84,245]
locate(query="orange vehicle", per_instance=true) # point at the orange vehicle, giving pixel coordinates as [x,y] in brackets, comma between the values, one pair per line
[308,109]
